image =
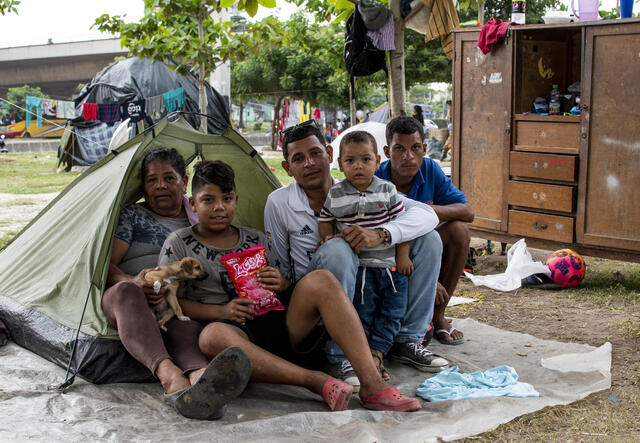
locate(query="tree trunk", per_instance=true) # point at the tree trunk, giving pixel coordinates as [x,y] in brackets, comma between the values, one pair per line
[481,11]
[352,106]
[396,63]
[274,124]
[241,121]
[202,92]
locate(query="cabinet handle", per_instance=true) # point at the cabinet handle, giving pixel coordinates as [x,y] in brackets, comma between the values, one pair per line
[541,227]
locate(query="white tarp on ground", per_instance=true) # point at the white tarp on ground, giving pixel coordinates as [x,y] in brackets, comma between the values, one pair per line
[28,410]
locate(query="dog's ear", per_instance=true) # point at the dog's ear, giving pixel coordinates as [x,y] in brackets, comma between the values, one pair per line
[187,265]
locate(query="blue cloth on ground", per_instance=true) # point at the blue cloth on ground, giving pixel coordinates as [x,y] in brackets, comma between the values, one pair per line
[449,384]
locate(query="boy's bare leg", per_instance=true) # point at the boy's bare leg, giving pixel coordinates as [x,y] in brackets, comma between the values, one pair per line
[265,367]
[455,249]
[320,295]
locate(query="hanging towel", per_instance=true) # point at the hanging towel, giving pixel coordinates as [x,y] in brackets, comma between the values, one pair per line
[133,110]
[90,111]
[173,100]
[491,33]
[442,20]
[316,114]
[383,38]
[34,102]
[49,107]
[449,384]
[65,109]
[94,141]
[155,107]
[109,112]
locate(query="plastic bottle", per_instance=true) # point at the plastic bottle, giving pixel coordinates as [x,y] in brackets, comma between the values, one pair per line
[554,101]
[518,11]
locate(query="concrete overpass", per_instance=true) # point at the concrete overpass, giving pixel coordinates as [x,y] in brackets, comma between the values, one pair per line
[56,68]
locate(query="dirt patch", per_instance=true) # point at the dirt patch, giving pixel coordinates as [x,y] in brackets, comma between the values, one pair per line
[14,217]
[574,315]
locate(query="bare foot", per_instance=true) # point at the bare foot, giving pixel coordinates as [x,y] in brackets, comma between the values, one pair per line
[171,377]
[194,376]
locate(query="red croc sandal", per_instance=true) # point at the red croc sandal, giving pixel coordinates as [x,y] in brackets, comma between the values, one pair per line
[337,394]
[390,399]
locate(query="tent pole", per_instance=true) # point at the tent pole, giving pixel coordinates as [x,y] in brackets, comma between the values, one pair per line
[69,381]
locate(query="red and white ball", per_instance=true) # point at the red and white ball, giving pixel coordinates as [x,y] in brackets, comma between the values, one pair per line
[567,268]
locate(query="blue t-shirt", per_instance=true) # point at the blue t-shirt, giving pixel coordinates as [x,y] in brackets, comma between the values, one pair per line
[430,185]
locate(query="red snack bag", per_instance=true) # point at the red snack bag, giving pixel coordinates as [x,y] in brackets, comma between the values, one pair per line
[242,267]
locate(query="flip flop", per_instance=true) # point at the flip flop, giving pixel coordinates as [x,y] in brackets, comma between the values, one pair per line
[390,399]
[337,394]
[224,379]
[453,341]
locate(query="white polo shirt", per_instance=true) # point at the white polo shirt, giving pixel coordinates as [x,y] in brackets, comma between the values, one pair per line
[292,227]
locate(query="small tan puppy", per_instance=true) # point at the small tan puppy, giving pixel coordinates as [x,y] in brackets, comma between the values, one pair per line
[186,269]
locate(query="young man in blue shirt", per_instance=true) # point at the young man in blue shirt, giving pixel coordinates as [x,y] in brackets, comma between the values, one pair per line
[421,179]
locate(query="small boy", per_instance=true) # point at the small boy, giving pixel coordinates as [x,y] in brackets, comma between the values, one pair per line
[363,199]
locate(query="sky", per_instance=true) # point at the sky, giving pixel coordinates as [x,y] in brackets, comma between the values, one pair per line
[70,20]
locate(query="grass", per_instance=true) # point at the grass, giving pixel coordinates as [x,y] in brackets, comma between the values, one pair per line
[279,172]
[32,173]
[5,238]
[18,202]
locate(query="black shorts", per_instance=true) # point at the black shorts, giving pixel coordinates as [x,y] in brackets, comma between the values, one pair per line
[269,331]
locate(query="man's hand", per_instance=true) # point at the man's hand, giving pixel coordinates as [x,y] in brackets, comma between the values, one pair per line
[404,265]
[272,279]
[359,238]
[239,310]
[147,287]
[442,297]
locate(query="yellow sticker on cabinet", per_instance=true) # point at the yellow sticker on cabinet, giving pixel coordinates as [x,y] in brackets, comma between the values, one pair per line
[544,71]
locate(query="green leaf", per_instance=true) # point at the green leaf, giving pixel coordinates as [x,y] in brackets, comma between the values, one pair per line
[251,6]
[267,3]
[227,3]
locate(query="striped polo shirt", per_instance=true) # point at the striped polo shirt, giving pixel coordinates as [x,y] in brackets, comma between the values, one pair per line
[373,208]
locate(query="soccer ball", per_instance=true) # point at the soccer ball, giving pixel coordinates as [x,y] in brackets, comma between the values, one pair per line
[567,268]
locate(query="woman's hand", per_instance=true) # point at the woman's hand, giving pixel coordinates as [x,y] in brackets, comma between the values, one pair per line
[271,279]
[147,287]
[238,310]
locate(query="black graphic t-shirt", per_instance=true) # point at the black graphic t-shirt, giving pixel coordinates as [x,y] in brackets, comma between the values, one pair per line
[218,287]
[145,231]
[133,110]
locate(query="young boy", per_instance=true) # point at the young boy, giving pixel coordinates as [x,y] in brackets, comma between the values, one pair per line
[365,200]
[214,299]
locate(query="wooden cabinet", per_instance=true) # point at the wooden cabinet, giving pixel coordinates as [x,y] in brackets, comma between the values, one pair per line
[557,180]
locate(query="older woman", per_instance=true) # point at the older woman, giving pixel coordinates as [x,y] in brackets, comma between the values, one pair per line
[196,387]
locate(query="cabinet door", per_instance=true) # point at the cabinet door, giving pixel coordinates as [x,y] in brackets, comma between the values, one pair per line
[481,125]
[609,197]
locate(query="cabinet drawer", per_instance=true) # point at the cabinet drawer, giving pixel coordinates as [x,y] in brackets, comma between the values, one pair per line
[545,166]
[542,196]
[545,226]
[548,136]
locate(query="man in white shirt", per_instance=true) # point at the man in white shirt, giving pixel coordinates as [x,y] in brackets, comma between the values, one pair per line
[291,222]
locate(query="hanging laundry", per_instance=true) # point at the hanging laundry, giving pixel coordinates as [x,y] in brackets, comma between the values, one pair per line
[449,384]
[383,38]
[65,109]
[491,33]
[316,114]
[109,112]
[155,107]
[173,100]
[34,102]
[305,111]
[374,14]
[49,107]
[133,110]
[90,111]
[94,141]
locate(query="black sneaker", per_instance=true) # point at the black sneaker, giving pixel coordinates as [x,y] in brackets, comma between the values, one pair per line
[417,355]
[344,371]
[539,281]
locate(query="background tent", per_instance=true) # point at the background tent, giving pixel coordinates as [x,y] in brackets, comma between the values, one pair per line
[376,129]
[136,79]
[54,272]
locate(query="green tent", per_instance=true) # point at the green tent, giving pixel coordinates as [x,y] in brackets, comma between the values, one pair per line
[54,272]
